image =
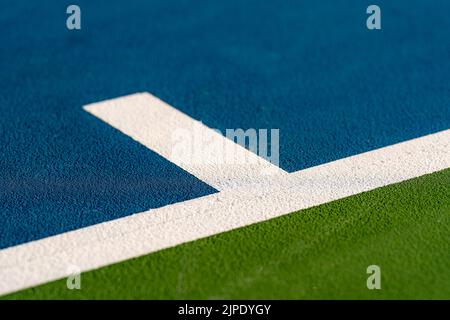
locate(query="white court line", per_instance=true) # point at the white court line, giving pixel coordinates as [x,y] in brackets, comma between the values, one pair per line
[152,122]
[89,248]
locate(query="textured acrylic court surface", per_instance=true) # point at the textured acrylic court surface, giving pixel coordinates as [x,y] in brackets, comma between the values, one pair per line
[321,253]
[309,68]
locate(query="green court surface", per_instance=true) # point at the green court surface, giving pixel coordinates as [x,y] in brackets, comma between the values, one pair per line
[322,252]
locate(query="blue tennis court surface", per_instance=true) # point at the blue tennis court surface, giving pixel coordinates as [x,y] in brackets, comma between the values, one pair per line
[309,68]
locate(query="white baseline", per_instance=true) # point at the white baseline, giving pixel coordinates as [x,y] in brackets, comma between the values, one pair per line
[239,202]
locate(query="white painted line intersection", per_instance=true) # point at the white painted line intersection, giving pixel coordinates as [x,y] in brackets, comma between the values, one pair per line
[239,203]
